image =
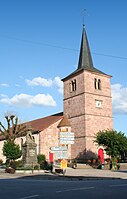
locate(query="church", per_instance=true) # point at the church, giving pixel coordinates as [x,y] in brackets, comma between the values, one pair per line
[87,110]
[87,102]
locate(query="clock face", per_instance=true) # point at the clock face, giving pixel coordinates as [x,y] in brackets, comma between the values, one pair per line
[98,103]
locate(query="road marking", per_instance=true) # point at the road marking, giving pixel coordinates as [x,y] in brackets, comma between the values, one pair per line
[118,185]
[33,196]
[77,189]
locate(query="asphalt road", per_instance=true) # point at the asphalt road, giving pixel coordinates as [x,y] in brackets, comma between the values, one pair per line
[53,189]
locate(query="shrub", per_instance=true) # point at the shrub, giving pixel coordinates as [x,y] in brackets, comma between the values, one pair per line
[18,164]
[41,158]
[45,165]
[15,164]
[36,167]
[11,150]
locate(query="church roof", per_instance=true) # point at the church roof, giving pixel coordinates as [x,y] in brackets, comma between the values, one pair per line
[85,59]
[64,122]
[43,123]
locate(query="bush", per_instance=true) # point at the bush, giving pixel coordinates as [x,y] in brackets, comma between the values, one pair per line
[11,150]
[36,167]
[45,165]
[41,158]
[42,165]
[15,164]
[18,164]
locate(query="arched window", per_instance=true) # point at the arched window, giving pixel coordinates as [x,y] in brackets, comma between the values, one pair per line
[95,83]
[73,84]
[99,84]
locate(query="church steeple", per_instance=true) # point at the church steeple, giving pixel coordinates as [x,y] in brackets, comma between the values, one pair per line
[85,59]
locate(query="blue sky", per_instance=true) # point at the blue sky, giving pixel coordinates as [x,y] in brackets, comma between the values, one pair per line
[39,45]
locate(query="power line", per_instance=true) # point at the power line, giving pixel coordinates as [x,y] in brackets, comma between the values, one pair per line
[113,56]
[38,43]
[60,47]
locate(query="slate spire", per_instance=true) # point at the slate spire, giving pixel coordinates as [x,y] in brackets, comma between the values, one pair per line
[85,59]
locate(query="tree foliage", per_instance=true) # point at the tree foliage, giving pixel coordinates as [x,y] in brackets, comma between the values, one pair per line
[13,129]
[114,143]
[11,150]
[41,158]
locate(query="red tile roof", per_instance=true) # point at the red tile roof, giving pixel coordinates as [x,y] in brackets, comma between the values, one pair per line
[45,122]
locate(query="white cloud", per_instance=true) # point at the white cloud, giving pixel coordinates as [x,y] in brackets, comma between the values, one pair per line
[119,99]
[26,101]
[57,81]
[4,85]
[39,81]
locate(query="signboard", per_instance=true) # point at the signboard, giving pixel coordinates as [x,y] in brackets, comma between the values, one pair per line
[60,152]
[66,138]
[66,142]
[58,148]
[66,134]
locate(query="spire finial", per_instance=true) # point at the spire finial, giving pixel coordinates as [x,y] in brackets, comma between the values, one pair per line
[84,13]
[85,59]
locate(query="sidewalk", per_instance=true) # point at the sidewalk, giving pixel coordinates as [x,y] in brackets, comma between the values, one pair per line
[97,173]
[71,174]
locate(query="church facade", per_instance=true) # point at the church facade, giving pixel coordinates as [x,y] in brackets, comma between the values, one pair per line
[87,110]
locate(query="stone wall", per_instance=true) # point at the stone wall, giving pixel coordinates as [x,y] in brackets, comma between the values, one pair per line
[80,107]
[49,138]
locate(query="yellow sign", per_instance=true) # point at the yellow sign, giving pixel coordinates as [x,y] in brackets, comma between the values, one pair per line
[63,164]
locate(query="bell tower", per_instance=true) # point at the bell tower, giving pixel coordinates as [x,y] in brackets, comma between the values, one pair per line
[87,102]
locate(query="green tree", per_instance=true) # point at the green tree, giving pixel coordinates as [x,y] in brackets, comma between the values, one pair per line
[114,143]
[11,151]
[13,129]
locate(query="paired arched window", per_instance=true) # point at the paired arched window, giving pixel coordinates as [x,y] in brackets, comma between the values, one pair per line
[97,84]
[73,85]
